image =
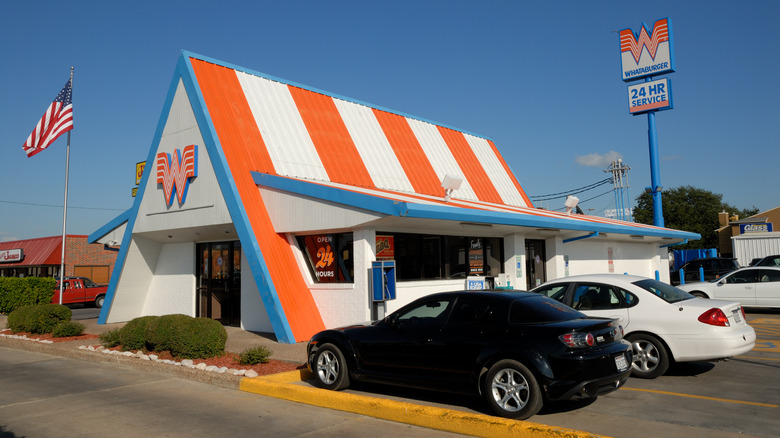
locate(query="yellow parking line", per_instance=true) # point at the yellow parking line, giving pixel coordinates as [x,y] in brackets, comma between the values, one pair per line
[766,405]
[764,321]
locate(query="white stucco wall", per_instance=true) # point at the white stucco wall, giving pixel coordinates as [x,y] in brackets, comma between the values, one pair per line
[253,314]
[172,289]
[135,279]
[593,256]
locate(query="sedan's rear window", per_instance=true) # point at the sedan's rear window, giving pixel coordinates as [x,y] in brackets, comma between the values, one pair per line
[541,309]
[666,292]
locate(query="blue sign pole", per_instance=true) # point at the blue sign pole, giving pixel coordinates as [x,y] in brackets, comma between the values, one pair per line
[655,173]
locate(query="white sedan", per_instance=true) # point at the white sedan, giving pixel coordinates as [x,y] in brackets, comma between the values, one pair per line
[757,286]
[663,323]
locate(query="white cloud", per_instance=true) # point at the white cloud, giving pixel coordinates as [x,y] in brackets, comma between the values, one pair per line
[596,160]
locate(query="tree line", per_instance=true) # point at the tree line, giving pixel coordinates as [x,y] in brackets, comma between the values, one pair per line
[691,209]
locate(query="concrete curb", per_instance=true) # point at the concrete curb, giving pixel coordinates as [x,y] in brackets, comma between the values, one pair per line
[283,386]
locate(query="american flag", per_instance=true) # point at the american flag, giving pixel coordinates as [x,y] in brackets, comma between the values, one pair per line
[57,120]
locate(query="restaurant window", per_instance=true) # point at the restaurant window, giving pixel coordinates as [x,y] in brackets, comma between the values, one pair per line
[329,257]
[430,257]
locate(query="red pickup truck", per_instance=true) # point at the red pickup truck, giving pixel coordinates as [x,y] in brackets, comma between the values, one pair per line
[80,290]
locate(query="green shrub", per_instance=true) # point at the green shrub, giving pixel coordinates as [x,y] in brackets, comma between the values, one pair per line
[63,329]
[43,317]
[162,332]
[254,356]
[182,335]
[133,335]
[110,338]
[17,292]
[17,320]
[199,338]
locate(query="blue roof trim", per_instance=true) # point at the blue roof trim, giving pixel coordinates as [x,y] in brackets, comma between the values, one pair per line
[107,228]
[316,90]
[454,213]
[132,213]
[257,265]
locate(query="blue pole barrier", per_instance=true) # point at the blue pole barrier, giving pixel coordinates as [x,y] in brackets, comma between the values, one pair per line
[701,273]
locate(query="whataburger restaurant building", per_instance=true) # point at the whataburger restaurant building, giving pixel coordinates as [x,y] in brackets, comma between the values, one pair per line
[268,204]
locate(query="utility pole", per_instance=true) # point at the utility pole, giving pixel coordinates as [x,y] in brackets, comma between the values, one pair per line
[619,172]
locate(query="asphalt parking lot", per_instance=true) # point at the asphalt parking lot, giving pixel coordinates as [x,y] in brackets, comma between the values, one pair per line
[739,397]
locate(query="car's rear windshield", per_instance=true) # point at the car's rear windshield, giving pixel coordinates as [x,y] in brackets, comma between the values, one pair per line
[540,309]
[666,292]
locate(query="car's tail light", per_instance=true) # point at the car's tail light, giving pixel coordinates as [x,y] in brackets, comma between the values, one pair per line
[742,311]
[714,317]
[577,340]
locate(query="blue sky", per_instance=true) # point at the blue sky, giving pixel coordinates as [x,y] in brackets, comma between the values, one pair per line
[541,79]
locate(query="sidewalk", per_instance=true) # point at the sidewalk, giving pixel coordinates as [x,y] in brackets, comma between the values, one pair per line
[238,340]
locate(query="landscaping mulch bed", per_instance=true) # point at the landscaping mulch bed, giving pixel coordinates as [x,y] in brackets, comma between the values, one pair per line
[229,360]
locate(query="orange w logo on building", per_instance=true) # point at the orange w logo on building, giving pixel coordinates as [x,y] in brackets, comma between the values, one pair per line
[175,174]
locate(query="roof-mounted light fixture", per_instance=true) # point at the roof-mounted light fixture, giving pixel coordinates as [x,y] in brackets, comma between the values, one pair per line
[571,203]
[450,183]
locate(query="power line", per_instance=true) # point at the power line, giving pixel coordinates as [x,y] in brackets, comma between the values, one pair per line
[570,192]
[60,206]
[589,199]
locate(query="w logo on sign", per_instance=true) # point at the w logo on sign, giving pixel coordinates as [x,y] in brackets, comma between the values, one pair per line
[174,173]
[630,43]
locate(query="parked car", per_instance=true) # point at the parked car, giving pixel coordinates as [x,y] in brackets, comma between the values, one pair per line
[773,260]
[663,323]
[714,267]
[80,290]
[516,349]
[754,286]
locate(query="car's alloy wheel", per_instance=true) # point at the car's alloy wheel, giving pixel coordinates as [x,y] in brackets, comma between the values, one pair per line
[330,368]
[650,357]
[99,301]
[511,390]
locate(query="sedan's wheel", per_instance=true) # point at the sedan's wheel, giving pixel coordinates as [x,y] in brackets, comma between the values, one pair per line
[650,357]
[511,390]
[330,368]
[699,295]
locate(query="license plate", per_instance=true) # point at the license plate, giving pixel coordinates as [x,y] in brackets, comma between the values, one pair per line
[621,362]
[736,315]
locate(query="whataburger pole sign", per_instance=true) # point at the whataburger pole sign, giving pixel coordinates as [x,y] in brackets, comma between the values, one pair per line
[643,55]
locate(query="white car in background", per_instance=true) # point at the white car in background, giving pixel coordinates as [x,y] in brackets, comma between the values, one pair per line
[663,323]
[754,286]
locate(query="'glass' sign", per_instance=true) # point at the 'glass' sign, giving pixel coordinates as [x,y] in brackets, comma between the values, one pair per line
[755,228]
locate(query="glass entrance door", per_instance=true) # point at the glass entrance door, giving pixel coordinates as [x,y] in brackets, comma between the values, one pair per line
[535,259]
[219,281]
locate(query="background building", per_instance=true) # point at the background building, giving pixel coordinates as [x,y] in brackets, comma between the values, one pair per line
[749,238]
[42,257]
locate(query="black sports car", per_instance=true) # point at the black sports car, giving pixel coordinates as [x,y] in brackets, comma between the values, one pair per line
[516,349]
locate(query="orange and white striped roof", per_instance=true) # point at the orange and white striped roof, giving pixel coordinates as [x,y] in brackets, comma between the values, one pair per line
[316,136]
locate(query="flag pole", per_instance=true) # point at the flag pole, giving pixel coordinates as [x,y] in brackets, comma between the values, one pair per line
[65,205]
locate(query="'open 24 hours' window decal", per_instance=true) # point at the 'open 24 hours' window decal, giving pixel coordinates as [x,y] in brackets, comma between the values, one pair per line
[329,257]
